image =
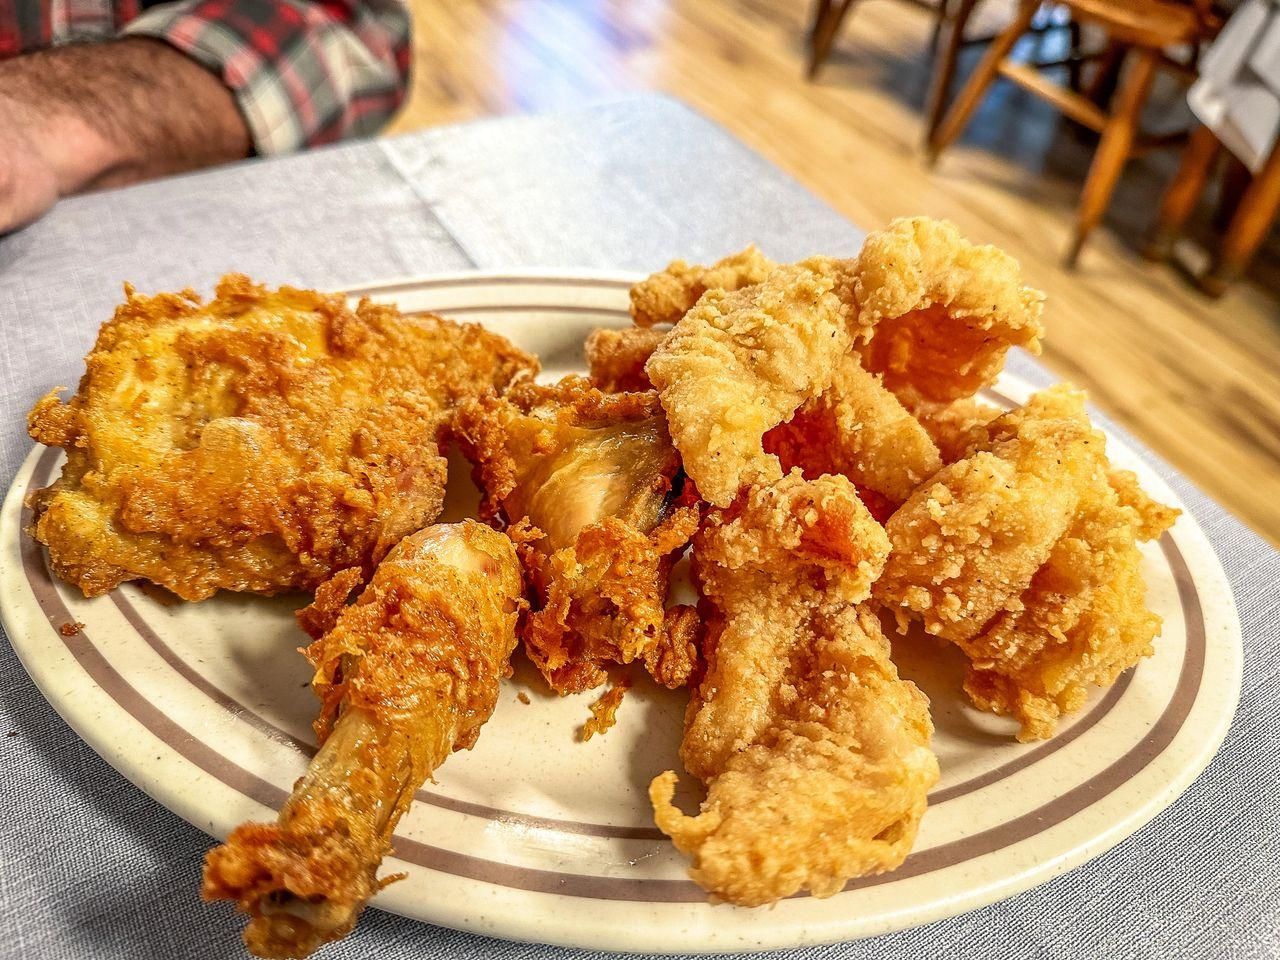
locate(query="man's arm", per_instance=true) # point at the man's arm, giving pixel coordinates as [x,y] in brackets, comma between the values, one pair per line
[79,117]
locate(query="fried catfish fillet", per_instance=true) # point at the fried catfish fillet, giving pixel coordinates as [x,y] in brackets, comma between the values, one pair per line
[616,358]
[815,753]
[258,442]
[1024,554]
[665,297]
[944,311]
[738,364]
[586,484]
[858,429]
[406,675]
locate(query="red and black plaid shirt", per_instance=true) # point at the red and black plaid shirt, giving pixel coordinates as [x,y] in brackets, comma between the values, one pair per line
[304,72]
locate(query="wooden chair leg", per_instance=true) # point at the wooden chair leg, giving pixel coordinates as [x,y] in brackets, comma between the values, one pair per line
[944,66]
[827,19]
[971,94]
[1073,68]
[1235,181]
[941,18]
[1184,192]
[1113,150]
[1102,85]
[1257,212]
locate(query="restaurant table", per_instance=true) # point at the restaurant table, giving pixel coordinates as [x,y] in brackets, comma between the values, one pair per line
[90,867]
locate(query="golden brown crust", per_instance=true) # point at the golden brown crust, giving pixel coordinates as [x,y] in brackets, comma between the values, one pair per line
[1025,555]
[860,430]
[405,675]
[259,442]
[616,358]
[944,311]
[815,753]
[967,543]
[665,297]
[583,479]
[738,364]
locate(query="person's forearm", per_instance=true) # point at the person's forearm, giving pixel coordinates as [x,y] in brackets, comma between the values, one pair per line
[109,114]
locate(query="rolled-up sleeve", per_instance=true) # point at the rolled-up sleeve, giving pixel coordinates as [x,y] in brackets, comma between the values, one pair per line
[304,73]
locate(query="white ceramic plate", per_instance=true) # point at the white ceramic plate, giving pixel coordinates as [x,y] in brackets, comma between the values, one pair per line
[536,836]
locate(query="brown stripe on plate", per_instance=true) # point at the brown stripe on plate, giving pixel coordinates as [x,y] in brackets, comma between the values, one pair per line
[641,890]
[467,281]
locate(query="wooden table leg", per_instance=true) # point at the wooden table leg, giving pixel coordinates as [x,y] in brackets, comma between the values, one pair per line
[957,117]
[1113,150]
[826,25]
[1184,192]
[944,66]
[1253,218]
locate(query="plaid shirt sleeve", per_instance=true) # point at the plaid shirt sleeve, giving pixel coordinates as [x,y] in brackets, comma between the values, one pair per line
[304,72]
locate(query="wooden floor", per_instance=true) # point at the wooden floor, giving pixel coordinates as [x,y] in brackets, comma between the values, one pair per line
[1199,381]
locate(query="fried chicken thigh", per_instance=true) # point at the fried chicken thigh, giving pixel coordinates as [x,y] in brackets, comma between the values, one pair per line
[258,442]
[815,753]
[584,482]
[738,364]
[406,675]
[1024,555]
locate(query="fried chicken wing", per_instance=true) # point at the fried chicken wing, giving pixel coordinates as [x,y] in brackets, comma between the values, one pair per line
[860,430]
[406,675]
[585,482]
[665,297]
[616,358]
[944,311]
[258,442]
[815,753]
[1025,556]
[738,364]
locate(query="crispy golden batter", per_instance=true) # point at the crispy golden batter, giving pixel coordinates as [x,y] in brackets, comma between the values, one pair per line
[1024,555]
[405,676]
[616,358]
[665,297]
[259,442]
[967,543]
[1082,621]
[860,430]
[956,426]
[816,754]
[738,364]
[945,311]
[584,481]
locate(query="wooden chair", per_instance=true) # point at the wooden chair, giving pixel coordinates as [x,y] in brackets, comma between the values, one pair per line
[951,18]
[1139,31]
[1249,211]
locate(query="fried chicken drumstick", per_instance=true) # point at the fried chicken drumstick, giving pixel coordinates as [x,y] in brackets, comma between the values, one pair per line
[586,484]
[261,441]
[815,753]
[405,675]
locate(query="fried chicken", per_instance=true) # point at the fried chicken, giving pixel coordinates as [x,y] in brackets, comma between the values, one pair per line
[405,676]
[665,297]
[815,753]
[955,426]
[944,311]
[738,364]
[616,358]
[860,430]
[1023,554]
[586,484]
[259,442]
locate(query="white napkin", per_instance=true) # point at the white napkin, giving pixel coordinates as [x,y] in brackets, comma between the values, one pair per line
[1238,93]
